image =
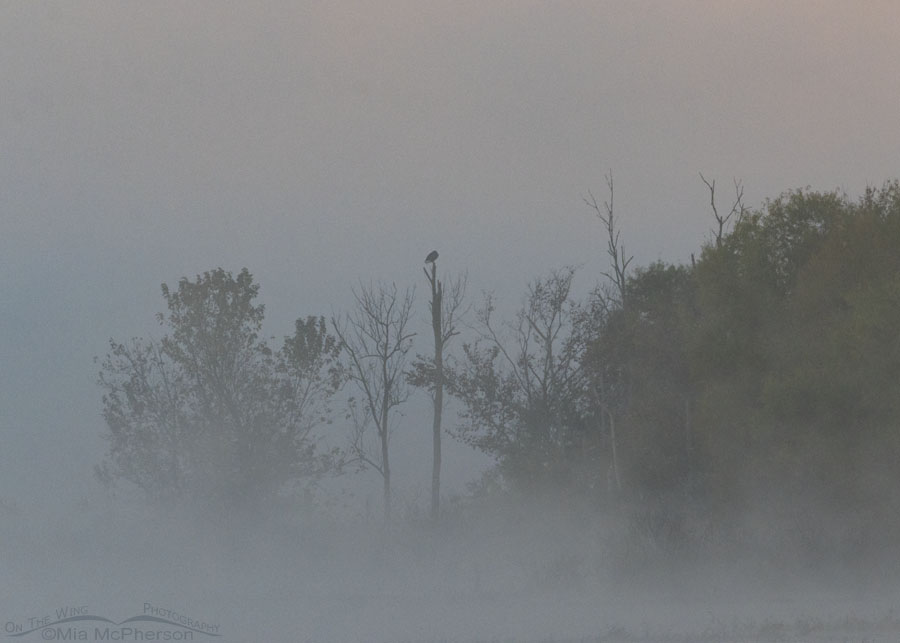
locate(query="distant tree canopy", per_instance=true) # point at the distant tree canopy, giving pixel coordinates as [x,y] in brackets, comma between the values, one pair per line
[770,363]
[796,348]
[210,410]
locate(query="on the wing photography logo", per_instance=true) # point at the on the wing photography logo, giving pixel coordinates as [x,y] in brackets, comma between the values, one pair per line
[79,623]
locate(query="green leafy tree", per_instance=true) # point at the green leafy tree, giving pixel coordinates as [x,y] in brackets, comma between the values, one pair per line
[523,390]
[835,363]
[210,411]
[648,348]
[792,348]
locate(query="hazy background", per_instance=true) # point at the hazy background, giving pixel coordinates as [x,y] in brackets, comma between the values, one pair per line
[318,143]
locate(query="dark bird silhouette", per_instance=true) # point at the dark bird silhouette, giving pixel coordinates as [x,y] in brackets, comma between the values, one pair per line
[432,257]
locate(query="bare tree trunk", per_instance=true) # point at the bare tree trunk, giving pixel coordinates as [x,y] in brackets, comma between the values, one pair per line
[383,434]
[386,477]
[436,452]
[375,341]
[618,276]
[430,375]
[436,308]
[615,456]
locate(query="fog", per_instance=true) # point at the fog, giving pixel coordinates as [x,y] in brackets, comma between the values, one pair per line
[515,573]
[323,146]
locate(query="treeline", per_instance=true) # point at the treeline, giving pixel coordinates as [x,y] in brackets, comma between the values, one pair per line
[768,367]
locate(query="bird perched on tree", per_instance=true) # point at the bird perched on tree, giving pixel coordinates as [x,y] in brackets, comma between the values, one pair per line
[432,256]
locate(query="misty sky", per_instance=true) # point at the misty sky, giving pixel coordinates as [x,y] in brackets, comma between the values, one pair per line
[317,143]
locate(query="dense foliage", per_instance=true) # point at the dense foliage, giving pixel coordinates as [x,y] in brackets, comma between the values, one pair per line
[768,368]
[210,410]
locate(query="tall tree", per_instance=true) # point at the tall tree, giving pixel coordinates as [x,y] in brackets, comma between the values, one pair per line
[376,341]
[429,373]
[523,390]
[210,410]
[609,378]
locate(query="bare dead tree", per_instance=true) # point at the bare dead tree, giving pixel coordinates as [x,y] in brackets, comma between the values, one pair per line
[617,275]
[445,317]
[375,339]
[618,272]
[737,208]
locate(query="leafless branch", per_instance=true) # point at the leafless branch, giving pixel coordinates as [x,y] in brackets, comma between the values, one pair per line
[376,341]
[615,249]
[737,208]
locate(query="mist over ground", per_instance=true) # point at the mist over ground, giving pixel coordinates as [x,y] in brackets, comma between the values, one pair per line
[518,572]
